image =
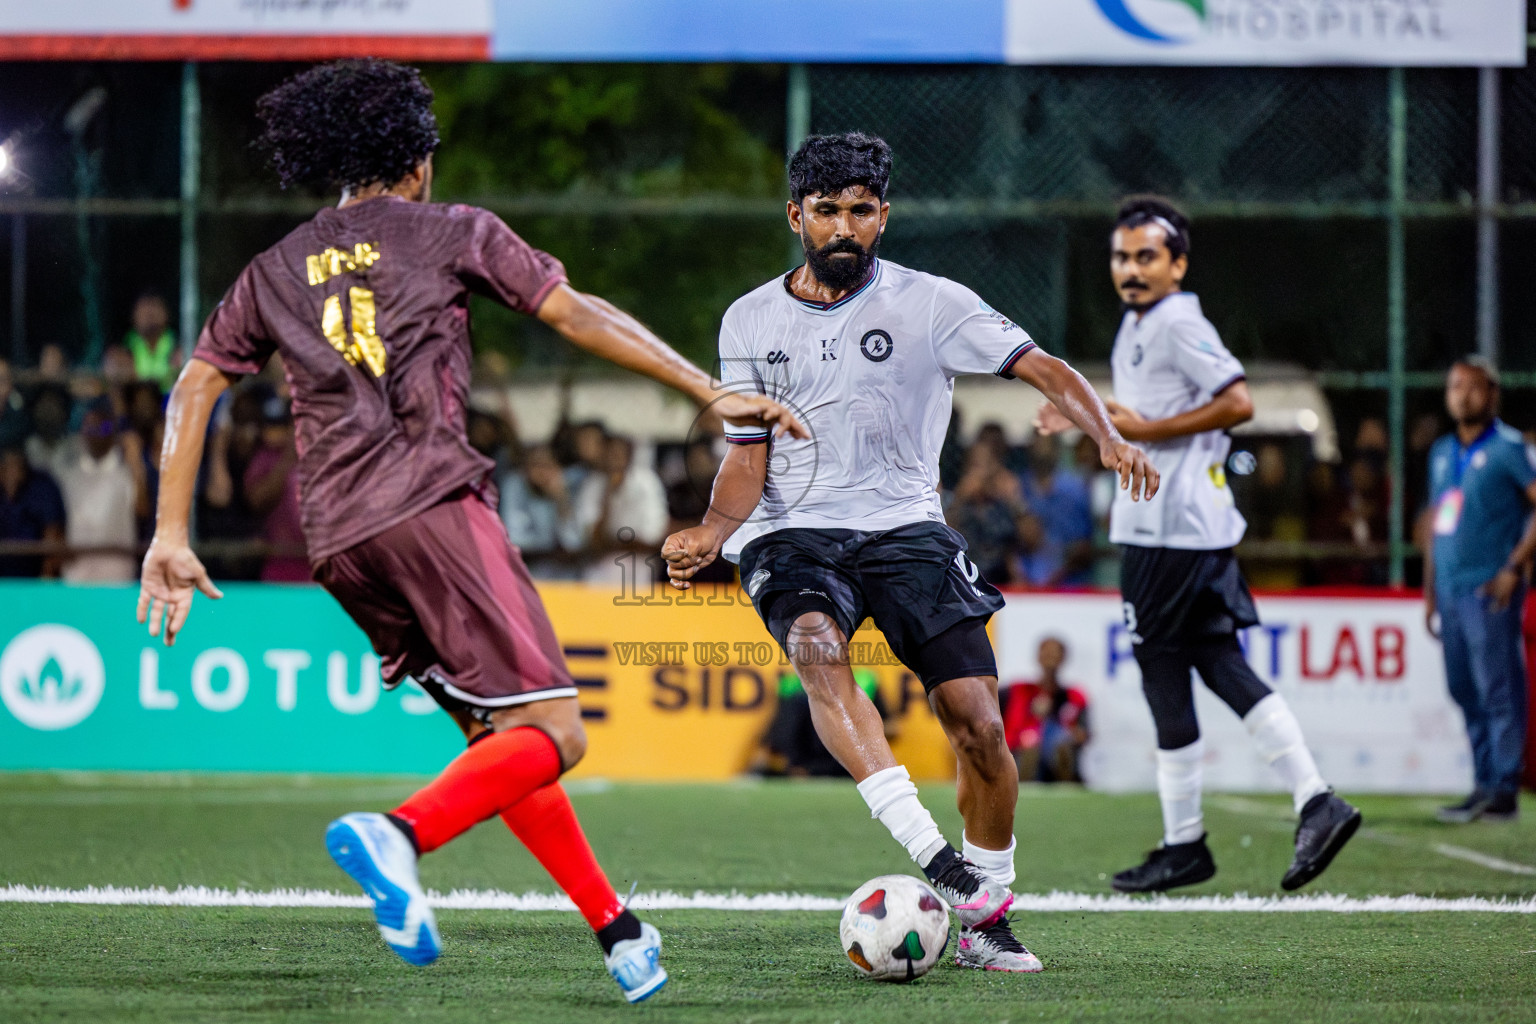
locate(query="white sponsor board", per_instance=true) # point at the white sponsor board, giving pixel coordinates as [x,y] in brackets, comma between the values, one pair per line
[1364,678]
[1467,33]
[217,17]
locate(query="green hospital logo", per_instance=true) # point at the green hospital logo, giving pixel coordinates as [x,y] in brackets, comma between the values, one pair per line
[51,677]
[1132,17]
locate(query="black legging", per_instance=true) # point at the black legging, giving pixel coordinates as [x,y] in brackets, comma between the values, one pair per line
[1165,680]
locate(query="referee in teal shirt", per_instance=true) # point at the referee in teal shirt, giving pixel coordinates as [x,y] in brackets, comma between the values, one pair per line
[1482,490]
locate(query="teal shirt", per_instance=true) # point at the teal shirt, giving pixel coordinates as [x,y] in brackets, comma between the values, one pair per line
[1479,495]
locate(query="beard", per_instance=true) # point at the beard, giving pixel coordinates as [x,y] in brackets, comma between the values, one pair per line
[840,274]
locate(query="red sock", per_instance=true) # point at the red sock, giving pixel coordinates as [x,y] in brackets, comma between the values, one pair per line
[491,776]
[546,823]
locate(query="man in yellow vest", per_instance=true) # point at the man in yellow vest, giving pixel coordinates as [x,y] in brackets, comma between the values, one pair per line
[151,342]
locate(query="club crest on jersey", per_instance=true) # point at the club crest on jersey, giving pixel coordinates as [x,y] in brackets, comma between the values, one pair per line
[877,346]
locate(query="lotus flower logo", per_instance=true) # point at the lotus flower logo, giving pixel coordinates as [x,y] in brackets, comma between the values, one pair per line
[51,677]
[1120,14]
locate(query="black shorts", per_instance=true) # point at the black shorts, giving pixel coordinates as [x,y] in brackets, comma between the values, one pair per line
[914,581]
[1174,597]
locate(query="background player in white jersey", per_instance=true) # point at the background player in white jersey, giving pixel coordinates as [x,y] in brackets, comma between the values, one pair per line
[848,524]
[1179,390]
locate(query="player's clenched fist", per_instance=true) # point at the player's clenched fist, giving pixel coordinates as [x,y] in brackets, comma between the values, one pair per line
[688,551]
[1134,468]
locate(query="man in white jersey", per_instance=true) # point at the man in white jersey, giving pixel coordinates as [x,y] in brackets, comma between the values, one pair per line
[1178,390]
[848,523]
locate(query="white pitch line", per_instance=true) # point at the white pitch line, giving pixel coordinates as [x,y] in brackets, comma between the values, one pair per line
[1054,902]
[1473,857]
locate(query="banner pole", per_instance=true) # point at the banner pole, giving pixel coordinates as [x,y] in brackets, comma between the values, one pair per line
[1397,175]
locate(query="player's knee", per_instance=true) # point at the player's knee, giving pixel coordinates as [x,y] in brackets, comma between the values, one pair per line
[980,741]
[815,643]
[570,739]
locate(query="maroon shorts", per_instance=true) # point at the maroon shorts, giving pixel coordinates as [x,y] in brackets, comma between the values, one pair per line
[445,599]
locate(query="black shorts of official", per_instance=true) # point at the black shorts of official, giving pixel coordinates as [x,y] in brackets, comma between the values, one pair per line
[1173,598]
[929,600]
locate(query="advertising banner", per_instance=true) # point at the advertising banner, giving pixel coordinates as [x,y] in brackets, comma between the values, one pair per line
[1224,32]
[277,678]
[1362,674]
[1386,33]
[245,29]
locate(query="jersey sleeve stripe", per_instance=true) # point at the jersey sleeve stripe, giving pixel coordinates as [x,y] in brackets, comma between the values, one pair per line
[759,438]
[1228,383]
[1005,368]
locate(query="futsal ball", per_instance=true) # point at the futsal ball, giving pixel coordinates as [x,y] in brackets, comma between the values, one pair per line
[894,928]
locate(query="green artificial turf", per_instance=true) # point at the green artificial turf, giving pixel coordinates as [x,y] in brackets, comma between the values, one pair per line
[102,963]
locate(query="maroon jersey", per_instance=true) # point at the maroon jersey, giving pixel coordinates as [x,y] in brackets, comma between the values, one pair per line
[369,307]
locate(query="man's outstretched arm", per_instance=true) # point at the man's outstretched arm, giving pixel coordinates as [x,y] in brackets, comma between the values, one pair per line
[171,571]
[599,327]
[1232,406]
[738,488]
[1074,399]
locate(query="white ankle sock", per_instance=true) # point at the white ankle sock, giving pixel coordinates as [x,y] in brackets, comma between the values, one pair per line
[1178,787]
[893,799]
[1277,735]
[995,864]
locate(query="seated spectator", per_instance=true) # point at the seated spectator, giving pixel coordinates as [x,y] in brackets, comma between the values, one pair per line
[618,511]
[790,746]
[51,448]
[223,514]
[31,511]
[1045,723]
[580,448]
[1058,500]
[52,364]
[146,418]
[150,343]
[13,414]
[495,438]
[536,510]
[105,493]
[272,489]
[688,500]
[987,507]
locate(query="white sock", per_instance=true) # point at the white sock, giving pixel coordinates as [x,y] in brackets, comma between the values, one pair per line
[1178,787]
[893,799]
[995,864]
[1277,735]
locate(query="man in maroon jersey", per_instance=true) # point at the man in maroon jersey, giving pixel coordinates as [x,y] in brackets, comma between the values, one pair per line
[368,304]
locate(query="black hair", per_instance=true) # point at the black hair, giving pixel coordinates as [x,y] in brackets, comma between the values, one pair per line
[1482,364]
[1139,211]
[826,164]
[347,124]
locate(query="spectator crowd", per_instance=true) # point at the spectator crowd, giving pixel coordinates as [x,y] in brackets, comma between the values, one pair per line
[79,450]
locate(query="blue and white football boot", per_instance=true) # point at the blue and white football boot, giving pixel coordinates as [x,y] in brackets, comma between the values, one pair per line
[382,860]
[636,964]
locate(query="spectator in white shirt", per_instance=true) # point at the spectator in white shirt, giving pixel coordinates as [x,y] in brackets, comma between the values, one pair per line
[104,489]
[620,509]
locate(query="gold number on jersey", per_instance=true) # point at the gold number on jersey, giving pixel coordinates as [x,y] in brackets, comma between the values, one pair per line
[364,346]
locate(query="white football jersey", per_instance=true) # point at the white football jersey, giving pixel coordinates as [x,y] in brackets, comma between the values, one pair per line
[1169,362]
[872,377]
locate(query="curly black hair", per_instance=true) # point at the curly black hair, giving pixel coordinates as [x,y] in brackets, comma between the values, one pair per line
[348,124]
[1139,211]
[826,164]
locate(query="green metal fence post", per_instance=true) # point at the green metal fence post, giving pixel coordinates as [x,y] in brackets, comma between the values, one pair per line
[797,126]
[191,158]
[1397,174]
